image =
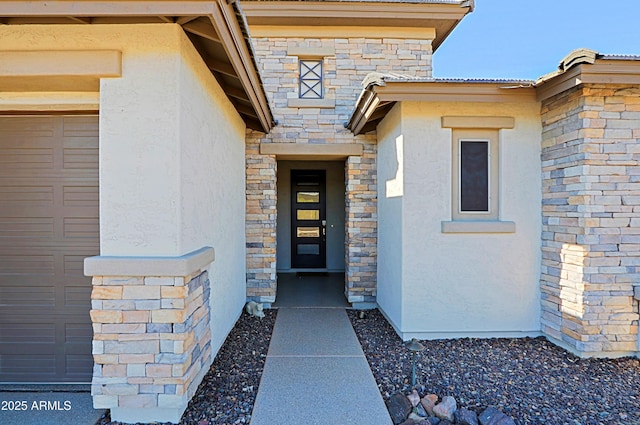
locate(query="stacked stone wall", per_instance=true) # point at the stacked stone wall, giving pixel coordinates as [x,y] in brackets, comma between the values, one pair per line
[152,340]
[591,229]
[350,60]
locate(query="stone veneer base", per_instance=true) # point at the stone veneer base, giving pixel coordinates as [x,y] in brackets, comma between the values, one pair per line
[152,335]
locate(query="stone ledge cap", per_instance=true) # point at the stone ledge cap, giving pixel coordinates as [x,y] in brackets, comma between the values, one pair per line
[182,265]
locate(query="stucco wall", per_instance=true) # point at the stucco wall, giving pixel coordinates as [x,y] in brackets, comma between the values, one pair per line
[138,130]
[462,284]
[390,216]
[212,186]
[171,181]
[335,211]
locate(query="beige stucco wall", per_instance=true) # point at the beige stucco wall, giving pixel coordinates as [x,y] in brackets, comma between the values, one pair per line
[458,284]
[212,186]
[138,129]
[171,157]
[390,215]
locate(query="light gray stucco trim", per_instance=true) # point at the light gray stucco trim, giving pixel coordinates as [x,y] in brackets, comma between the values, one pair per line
[149,266]
[478,226]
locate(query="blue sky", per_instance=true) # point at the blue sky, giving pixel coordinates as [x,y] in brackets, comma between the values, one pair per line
[527,38]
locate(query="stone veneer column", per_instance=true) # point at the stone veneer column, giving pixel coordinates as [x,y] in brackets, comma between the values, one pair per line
[261,223]
[591,229]
[152,335]
[361,251]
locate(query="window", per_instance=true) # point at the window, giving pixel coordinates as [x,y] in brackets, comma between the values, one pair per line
[311,79]
[474,161]
[475,175]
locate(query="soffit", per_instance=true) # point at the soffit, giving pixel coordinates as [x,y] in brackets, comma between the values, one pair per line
[214,27]
[442,16]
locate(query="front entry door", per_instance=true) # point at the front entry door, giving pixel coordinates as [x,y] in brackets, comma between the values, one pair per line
[308,219]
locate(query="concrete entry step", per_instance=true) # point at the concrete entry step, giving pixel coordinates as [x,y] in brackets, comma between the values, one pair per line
[316,373]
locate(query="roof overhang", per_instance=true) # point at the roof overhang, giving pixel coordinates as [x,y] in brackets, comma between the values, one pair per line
[580,67]
[215,28]
[377,99]
[589,67]
[442,16]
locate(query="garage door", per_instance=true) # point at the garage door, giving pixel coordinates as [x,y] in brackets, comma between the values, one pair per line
[48,225]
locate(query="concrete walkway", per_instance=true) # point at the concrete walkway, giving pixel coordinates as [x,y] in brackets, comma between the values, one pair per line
[316,373]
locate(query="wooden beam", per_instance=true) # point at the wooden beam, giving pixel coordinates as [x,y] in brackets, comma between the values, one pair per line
[380,112]
[79,20]
[202,28]
[184,19]
[235,44]
[214,64]
[235,92]
[167,19]
[218,66]
[245,110]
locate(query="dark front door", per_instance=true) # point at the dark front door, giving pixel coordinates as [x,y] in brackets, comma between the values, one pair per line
[308,219]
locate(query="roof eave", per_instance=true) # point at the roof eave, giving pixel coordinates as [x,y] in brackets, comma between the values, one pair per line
[444,17]
[218,25]
[612,70]
[367,112]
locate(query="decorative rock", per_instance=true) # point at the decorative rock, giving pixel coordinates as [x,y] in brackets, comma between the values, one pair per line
[399,408]
[429,402]
[420,410]
[414,398]
[433,421]
[410,422]
[417,418]
[445,409]
[465,417]
[445,422]
[492,416]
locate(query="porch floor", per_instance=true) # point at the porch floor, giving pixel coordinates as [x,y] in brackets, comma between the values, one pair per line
[310,290]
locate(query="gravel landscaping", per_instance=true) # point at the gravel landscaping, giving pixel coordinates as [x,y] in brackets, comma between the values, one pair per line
[529,379]
[228,391]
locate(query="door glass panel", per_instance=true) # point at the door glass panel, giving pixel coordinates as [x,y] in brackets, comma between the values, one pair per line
[308,214]
[308,232]
[308,249]
[308,197]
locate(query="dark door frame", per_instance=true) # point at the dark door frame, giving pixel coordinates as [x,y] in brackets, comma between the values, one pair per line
[308,229]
